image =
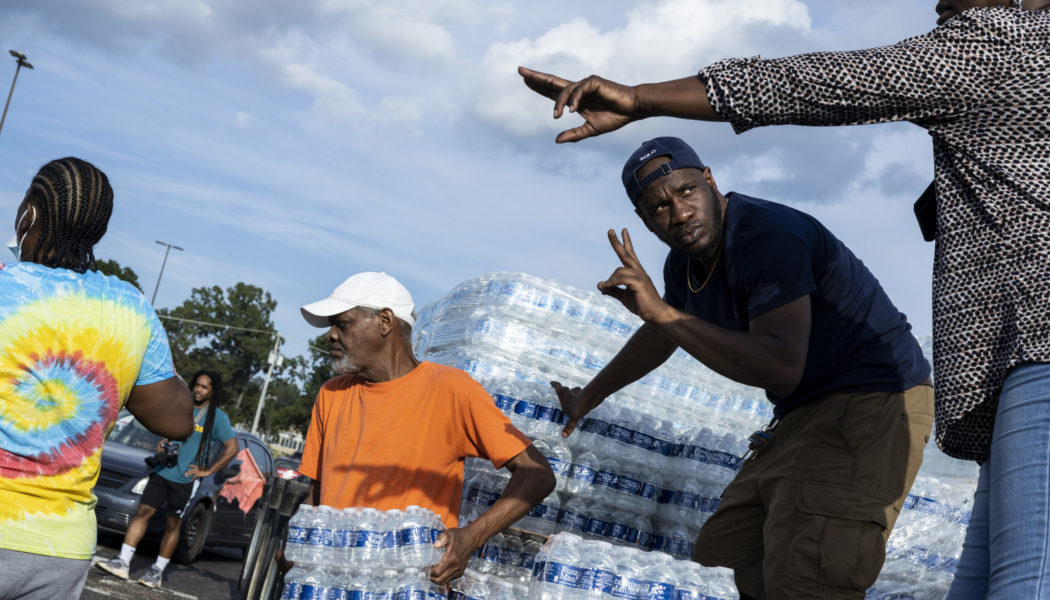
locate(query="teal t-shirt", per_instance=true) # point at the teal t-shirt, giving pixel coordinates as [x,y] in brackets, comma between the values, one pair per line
[221,431]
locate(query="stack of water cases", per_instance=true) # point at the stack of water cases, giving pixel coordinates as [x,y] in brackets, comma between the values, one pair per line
[569,567]
[647,467]
[362,554]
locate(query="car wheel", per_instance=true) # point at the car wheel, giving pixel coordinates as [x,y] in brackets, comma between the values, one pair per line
[194,533]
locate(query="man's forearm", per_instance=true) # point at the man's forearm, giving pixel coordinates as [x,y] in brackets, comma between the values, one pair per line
[526,488]
[755,359]
[684,98]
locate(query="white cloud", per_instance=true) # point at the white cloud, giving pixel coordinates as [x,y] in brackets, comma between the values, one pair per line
[661,40]
[243,118]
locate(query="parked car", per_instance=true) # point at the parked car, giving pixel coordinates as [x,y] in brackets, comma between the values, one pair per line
[211,519]
[288,468]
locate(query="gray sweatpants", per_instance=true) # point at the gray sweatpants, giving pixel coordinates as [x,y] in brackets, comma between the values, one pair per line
[25,576]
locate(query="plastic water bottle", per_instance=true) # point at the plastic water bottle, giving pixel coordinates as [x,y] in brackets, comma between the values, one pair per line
[598,572]
[338,587]
[314,584]
[691,582]
[368,537]
[412,585]
[293,583]
[342,537]
[414,539]
[585,466]
[660,577]
[318,546]
[297,529]
[559,574]
[391,524]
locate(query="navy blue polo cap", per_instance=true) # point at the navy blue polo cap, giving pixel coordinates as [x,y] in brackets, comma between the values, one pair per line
[680,154]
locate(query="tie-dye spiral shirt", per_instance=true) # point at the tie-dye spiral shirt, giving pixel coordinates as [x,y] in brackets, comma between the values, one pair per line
[72,346]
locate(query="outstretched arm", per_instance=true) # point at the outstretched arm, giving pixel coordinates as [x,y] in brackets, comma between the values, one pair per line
[531,481]
[607,106]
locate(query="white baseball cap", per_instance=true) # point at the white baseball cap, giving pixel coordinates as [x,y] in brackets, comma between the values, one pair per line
[371,290]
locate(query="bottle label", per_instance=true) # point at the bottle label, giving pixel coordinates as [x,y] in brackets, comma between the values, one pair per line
[687,594]
[291,590]
[559,466]
[595,426]
[317,536]
[618,531]
[341,538]
[560,574]
[526,409]
[597,580]
[606,478]
[504,402]
[413,536]
[662,447]
[311,591]
[526,561]
[572,521]
[583,473]
[481,497]
[595,526]
[628,589]
[359,595]
[642,440]
[337,593]
[628,485]
[389,540]
[296,534]
[549,413]
[649,491]
[659,591]
[620,434]
[416,594]
[367,539]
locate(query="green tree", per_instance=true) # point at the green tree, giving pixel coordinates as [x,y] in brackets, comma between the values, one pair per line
[237,355]
[112,267]
[287,410]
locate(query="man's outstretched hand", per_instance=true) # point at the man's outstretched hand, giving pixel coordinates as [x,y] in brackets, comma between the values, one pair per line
[605,105]
[630,284]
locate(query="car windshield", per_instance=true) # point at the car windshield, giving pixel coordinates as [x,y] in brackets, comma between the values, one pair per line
[134,434]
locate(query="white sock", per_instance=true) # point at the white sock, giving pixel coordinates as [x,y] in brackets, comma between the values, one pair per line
[161,563]
[126,552]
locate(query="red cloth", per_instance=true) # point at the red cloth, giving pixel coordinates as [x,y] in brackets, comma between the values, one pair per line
[246,486]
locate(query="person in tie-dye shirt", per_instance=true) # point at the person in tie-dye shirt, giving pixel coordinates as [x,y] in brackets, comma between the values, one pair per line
[75,347]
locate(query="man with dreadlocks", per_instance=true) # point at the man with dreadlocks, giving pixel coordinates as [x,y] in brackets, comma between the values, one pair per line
[75,347]
[175,485]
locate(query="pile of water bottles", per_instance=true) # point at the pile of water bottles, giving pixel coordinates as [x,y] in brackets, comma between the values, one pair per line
[569,567]
[358,553]
[645,469]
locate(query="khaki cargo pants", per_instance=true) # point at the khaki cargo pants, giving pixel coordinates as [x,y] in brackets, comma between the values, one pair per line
[809,515]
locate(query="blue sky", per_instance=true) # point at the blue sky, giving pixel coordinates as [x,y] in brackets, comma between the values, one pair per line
[292,144]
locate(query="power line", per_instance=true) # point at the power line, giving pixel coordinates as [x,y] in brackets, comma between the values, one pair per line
[222,325]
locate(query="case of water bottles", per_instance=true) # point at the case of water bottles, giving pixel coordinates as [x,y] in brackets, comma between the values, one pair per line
[362,554]
[646,468]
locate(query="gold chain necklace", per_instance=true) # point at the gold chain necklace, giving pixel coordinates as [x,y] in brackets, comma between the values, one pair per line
[714,265]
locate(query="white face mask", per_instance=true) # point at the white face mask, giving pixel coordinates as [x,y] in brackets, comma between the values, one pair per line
[14,244]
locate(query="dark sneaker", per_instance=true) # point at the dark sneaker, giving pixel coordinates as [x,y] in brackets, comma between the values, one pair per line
[114,566]
[152,577]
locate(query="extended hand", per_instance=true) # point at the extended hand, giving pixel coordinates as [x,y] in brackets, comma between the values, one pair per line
[458,544]
[630,284]
[605,105]
[574,403]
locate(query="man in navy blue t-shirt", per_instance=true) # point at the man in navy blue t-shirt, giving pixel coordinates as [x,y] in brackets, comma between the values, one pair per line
[765,295]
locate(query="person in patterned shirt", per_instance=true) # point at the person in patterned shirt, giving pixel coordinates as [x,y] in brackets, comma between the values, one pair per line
[76,346]
[978,83]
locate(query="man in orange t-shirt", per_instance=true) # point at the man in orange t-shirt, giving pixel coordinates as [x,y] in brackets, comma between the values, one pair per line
[391,432]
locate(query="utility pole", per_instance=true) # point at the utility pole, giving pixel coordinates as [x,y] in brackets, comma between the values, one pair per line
[22,62]
[153,300]
[275,359]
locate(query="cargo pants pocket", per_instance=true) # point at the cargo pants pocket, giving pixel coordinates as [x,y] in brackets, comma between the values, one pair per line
[841,540]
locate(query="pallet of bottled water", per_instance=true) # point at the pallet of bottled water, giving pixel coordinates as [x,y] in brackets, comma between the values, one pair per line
[362,554]
[646,468]
[569,567]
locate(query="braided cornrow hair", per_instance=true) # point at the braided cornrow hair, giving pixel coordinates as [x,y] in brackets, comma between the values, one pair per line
[75,201]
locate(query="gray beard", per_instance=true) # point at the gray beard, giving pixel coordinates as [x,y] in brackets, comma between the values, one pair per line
[344,366]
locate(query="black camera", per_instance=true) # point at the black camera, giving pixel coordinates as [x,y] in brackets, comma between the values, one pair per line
[167,457]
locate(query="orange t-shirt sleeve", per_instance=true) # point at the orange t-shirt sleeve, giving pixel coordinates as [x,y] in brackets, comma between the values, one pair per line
[489,433]
[310,464]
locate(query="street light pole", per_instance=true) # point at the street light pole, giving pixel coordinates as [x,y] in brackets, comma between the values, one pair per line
[170,246]
[22,62]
